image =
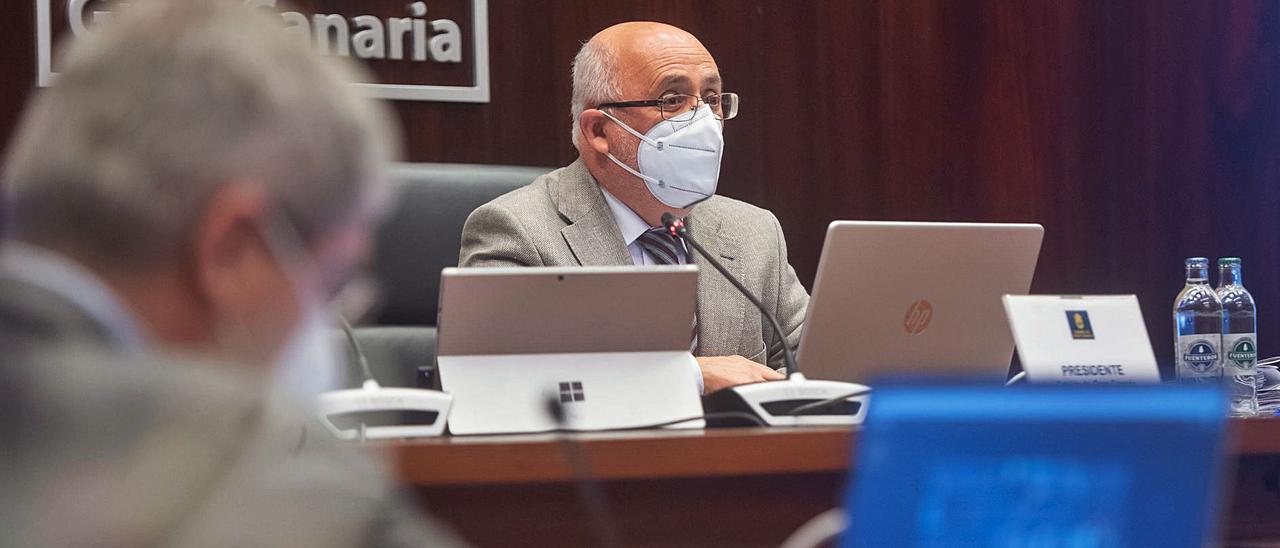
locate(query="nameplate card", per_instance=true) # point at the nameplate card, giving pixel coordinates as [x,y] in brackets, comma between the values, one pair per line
[1090,339]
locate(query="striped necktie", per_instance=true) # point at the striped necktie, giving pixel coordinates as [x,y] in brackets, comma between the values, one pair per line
[659,244]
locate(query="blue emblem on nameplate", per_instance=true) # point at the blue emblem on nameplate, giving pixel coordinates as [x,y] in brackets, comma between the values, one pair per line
[1078,321]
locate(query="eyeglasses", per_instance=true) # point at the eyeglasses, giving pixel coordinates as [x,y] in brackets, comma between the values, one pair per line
[679,107]
[351,292]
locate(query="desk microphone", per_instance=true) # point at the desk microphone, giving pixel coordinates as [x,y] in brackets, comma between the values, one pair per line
[794,401]
[374,412]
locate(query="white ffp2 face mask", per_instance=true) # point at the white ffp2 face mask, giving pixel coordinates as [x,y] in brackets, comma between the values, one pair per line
[679,161]
[307,364]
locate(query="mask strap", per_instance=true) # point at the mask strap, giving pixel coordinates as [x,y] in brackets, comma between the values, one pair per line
[622,164]
[284,242]
[632,131]
[642,176]
[287,248]
[653,143]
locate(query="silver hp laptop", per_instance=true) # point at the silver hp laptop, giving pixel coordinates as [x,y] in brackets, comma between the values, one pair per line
[608,345]
[895,298]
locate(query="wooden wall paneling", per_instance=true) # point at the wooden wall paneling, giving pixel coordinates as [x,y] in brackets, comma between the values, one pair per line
[1138,133]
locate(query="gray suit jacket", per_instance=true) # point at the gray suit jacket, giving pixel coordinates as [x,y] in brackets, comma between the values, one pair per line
[111,448]
[562,219]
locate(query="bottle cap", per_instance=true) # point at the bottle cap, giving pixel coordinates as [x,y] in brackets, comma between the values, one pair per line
[1194,261]
[1229,261]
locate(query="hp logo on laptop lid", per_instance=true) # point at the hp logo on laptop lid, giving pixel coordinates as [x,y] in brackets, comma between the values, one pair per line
[918,317]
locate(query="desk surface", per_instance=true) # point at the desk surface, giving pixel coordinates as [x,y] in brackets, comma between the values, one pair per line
[653,454]
[720,487]
[624,455]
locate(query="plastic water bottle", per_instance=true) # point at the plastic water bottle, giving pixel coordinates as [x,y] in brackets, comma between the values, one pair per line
[1239,339]
[1197,326]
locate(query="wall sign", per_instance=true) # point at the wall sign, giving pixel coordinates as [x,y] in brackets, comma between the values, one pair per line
[430,50]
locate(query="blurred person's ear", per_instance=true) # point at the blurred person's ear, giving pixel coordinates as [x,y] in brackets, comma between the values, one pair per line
[244,287]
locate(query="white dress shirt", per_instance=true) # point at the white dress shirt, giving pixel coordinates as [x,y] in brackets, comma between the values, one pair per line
[631,226]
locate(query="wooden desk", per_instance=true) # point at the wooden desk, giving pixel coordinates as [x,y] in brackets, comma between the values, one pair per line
[727,487]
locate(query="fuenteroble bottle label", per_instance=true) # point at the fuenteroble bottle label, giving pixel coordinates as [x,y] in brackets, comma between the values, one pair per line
[1199,356]
[1242,354]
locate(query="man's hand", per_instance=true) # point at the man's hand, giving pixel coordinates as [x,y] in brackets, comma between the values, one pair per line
[725,371]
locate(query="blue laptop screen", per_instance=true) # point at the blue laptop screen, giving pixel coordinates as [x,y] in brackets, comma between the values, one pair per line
[1068,466]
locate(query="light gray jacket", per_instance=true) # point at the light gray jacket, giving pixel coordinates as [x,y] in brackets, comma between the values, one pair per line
[107,447]
[562,219]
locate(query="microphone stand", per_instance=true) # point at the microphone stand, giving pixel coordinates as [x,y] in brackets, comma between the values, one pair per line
[677,229]
[794,401]
[344,412]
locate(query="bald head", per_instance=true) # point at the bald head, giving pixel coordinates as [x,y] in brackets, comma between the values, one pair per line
[635,31]
[639,60]
[636,61]
[653,55]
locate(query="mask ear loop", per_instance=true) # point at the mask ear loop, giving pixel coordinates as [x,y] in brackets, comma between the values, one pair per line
[632,171]
[284,242]
[354,301]
[654,144]
[702,112]
[704,198]
[622,164]
[289,250]
[286,246]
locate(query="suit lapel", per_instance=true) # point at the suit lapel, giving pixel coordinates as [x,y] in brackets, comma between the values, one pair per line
[721,309]
[592,233]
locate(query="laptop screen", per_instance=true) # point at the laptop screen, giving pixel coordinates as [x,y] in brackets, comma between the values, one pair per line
[1064,466]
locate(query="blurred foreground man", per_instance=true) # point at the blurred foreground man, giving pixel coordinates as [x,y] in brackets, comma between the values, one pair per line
[648,112]
[185,200]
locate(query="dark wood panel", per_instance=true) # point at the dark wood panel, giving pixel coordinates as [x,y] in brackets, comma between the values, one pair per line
[17,63]
[648,454]
[741,487]
[740,511]
[1138,133]
[672,454]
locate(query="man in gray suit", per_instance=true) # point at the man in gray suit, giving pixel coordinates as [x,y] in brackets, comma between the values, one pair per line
[185,199]
[648,110]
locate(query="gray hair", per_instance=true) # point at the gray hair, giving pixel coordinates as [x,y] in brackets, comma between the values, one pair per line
[595,81]
[158,108]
